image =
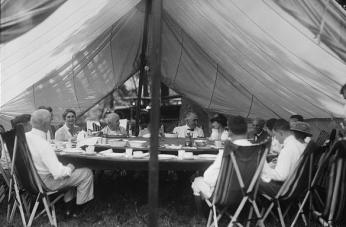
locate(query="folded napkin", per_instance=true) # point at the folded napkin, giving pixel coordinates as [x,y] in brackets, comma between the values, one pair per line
[105,152]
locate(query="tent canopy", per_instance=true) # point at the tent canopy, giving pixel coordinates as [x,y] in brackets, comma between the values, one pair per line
[259,58]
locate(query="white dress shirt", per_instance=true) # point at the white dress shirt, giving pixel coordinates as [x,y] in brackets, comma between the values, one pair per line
[43,155]
[216,135]
[183,130]
[287,160]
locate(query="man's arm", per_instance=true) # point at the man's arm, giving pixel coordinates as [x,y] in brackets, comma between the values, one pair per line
[55,167]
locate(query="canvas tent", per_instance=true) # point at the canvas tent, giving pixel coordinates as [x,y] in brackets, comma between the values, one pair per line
[263,58]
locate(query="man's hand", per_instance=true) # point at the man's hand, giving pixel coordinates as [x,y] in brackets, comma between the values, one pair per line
[71,167]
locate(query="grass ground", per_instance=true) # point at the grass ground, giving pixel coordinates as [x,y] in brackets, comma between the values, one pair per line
[121,200]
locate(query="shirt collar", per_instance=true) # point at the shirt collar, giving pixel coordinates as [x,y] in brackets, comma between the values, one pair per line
[39,133]
[288,139]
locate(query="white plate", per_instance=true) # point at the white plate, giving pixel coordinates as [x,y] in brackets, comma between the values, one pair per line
[207,156]
[144,155]
[74,150]
[167,156]
[114,155]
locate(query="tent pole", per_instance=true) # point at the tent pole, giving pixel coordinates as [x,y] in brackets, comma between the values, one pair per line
[142,72]
[155,113]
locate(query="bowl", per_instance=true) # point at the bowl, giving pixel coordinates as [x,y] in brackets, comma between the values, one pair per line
[201,143]
[171,135]
[137,143]
[117,143]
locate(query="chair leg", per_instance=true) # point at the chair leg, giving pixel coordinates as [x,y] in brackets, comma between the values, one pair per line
[267,212]
[13,211]
[281,217]
[46,207]
[215,217]
[210,218]
[33,212]
[257,212]
[237,212]
[248,222]
[20,206]
[300,208]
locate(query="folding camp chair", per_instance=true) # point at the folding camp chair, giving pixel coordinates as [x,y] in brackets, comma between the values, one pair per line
[294,186]
[24,174]
[237,181]
[333,211]
[8,141]
[315,174]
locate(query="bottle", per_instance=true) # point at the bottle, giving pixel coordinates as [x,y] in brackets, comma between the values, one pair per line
[188,140]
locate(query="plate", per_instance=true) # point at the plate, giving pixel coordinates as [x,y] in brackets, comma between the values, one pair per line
[167,156]
[144,155]
[114,155]
[90,153]
[74,150]
[207,156]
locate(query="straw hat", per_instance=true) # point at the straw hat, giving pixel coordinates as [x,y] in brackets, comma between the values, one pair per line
[300,126]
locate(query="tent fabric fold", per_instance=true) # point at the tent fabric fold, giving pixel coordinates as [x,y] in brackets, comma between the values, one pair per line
[254,58]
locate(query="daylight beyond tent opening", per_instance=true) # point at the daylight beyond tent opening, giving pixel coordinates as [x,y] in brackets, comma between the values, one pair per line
[252,58]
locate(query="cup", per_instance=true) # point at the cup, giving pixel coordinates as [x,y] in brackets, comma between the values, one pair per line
[218,143]
[90,149]
[188,155]
[128,152]
[181,154]
[137,153]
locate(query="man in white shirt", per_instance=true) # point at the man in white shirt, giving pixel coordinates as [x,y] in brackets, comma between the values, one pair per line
[190,127]
[204,186]
[274,174]
[53,173]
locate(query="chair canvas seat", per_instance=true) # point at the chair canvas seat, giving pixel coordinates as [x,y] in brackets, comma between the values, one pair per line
[237,180]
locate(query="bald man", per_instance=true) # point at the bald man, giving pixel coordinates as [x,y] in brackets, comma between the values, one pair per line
[258,134]
[113,125]
[53,173]
[191,128]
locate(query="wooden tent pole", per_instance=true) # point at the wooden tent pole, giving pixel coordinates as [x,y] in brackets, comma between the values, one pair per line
[155,113]
[143,63]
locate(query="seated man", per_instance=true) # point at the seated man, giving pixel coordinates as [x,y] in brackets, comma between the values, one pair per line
[274,174]
[53,173]
[258,134]
[51,131]
[190,127]
[204,186]
[113,125]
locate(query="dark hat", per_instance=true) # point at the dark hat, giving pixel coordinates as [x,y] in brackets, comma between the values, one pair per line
[301,127]
[220,119]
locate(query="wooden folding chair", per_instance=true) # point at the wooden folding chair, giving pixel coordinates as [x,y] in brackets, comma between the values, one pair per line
[315,174]
[24,175]
[294,186]
[237,181]
[333,211]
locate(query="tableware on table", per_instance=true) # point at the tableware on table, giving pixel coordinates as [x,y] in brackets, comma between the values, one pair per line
[74,150]
[188,155]
[115,155]
[201,143]
[90,149]
[117,142]
[218,143]
[108,151]
[128,152]
[137,143]
[181,154]
[171,135]
[207,156]
[167,156]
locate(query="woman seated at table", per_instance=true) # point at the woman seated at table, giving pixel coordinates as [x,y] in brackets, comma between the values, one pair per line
[69,130]
[113,127]
[145,127]
[218,125]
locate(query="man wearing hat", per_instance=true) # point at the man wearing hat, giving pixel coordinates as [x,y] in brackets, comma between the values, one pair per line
[190,127]
[292,138]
